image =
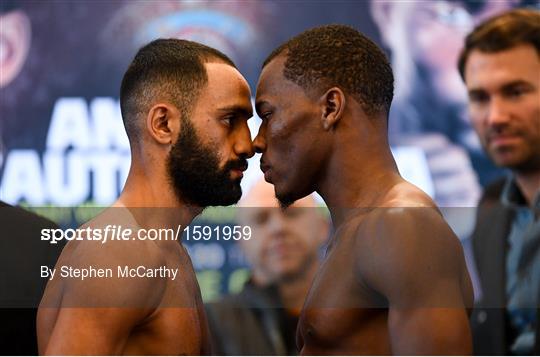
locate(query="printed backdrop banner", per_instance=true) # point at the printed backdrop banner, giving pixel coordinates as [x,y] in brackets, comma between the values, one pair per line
[62,141]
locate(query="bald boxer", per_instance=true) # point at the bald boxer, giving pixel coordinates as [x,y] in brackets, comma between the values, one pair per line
[185,108]
[393,280]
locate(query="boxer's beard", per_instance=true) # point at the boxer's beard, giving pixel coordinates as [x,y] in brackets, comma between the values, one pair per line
[195,174]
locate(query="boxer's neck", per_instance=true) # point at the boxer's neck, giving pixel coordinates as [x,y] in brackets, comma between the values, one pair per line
[359,181]
[153,201]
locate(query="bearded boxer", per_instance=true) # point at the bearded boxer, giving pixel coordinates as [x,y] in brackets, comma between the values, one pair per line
[185,108]
[394,279]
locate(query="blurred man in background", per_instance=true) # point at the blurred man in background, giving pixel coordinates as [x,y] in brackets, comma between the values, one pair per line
[284,256]
[500,65]
[430,106]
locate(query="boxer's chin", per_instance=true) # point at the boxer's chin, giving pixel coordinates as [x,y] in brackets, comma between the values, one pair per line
[285,199]
[289,192]
[227,194]
[232,197]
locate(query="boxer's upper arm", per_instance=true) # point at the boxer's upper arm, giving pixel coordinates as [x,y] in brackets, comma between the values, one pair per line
[415,261]
[97,315]
[92,331]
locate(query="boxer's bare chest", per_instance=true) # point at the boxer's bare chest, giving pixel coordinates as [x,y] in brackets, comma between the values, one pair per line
[176,325]
[341,314]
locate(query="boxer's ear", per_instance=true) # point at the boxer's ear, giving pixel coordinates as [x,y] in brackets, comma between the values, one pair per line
[332,104]
[162,123]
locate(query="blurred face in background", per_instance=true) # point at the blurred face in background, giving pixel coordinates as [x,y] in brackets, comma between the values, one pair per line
[284,244]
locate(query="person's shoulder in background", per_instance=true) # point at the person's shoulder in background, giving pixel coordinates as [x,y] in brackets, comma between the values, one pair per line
[21,220]
[492,192]
[22,253]
[241,324]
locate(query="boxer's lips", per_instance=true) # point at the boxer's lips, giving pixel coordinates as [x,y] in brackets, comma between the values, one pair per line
[238,172]
[266,171]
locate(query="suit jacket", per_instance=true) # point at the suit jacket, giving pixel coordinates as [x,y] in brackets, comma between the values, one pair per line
[21,255]
[489,320]
[250,323]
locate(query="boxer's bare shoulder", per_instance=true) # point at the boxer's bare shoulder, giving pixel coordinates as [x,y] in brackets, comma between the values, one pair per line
[405,194]
[122,297]
[402,288]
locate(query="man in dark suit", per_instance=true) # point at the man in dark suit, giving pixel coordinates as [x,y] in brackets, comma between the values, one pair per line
[284,257]
[21,254]
[500,65]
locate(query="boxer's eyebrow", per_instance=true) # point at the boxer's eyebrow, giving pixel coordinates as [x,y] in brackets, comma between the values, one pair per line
[237,109]
[259,104]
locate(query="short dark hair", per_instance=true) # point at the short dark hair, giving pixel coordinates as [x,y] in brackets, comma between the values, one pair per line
[339,55]
[502,32]
[170,69]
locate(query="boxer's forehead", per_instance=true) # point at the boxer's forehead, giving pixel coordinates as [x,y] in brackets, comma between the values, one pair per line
[226,87]
[274,89]
[272,81]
